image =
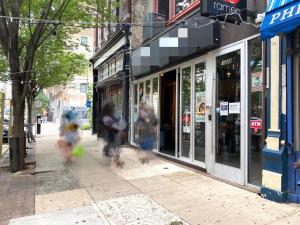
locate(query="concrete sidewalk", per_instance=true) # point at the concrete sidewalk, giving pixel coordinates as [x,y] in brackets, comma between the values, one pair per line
[17,191]
[93,192]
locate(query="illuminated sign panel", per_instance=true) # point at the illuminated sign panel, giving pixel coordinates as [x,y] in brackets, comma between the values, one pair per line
[219,8]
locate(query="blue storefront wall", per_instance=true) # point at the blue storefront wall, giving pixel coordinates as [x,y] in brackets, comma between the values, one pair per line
[280,18]
[280,161]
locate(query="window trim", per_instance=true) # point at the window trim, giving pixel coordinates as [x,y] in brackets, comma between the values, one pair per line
[84,37]
[172,17]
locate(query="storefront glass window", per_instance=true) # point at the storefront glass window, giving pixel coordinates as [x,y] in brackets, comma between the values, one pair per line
[186,111]
[135,112]
[148,91]
[182,5]
[141,93]
[135,94]
[155,95]
[256,128]
[151,93]
[155,101]
[200,75]
[114,94]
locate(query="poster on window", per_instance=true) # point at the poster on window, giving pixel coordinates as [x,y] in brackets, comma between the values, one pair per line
[186,121]
[256,82]
[224,108]
[234,108]
[200,107]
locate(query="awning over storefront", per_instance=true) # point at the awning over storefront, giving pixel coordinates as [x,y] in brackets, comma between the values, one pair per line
[282,16]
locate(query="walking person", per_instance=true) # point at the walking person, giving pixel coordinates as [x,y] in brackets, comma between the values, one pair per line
[112,131]
[69,134]
[147,130]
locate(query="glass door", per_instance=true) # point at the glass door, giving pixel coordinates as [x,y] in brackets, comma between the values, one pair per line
[193,112]
[185,131]
[256,112]
[144,91]
[199,120]
[230,102]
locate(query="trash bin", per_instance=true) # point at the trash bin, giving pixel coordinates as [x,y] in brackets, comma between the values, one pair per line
[38,125]
[14,154]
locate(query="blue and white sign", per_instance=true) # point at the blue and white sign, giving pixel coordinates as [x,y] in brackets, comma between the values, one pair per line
[274,4]
[280,18]
[88,104]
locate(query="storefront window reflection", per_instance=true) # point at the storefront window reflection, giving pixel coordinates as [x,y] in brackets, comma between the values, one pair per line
[148,91]
[186,111]
[115,96]
[135,111]
[141,93]
[155,102]
[144,91]
[256,112]
[200,74]
[155,96]
[182,5]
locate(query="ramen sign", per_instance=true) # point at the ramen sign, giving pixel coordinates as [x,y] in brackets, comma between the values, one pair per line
[219,8]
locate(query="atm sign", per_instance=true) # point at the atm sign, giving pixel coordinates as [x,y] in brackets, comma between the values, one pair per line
[256,125]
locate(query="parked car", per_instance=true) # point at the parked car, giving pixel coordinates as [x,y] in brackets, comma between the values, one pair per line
[6,129]
[5,133]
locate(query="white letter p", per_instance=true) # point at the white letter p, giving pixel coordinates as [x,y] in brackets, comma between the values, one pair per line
[275,17]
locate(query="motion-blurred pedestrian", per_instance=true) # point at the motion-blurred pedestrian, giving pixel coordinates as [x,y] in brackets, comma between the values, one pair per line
[147,131]
[69,134]
[112,131]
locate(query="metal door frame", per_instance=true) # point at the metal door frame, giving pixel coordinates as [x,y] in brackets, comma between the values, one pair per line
[220,170]
[208,96]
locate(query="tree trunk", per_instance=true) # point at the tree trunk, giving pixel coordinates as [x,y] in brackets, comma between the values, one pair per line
[18,119]
[29,111]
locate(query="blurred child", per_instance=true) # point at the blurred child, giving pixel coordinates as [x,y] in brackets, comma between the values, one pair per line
[69,134]
[147,131]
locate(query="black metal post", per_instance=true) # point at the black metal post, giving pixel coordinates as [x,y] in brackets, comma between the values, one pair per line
[126,29]
[38,125]
[95,103]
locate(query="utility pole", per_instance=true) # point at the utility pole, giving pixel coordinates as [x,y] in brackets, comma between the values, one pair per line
[126,28]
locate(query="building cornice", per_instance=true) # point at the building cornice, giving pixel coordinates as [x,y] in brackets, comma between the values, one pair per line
[115,37]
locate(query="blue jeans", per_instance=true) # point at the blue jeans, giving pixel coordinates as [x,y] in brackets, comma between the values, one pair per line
[147,143]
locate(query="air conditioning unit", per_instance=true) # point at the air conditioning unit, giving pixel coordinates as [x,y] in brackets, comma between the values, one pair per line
[154,23]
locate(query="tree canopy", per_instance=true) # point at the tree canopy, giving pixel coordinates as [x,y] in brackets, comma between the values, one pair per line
[3,68]
[27,27]
[56,64]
